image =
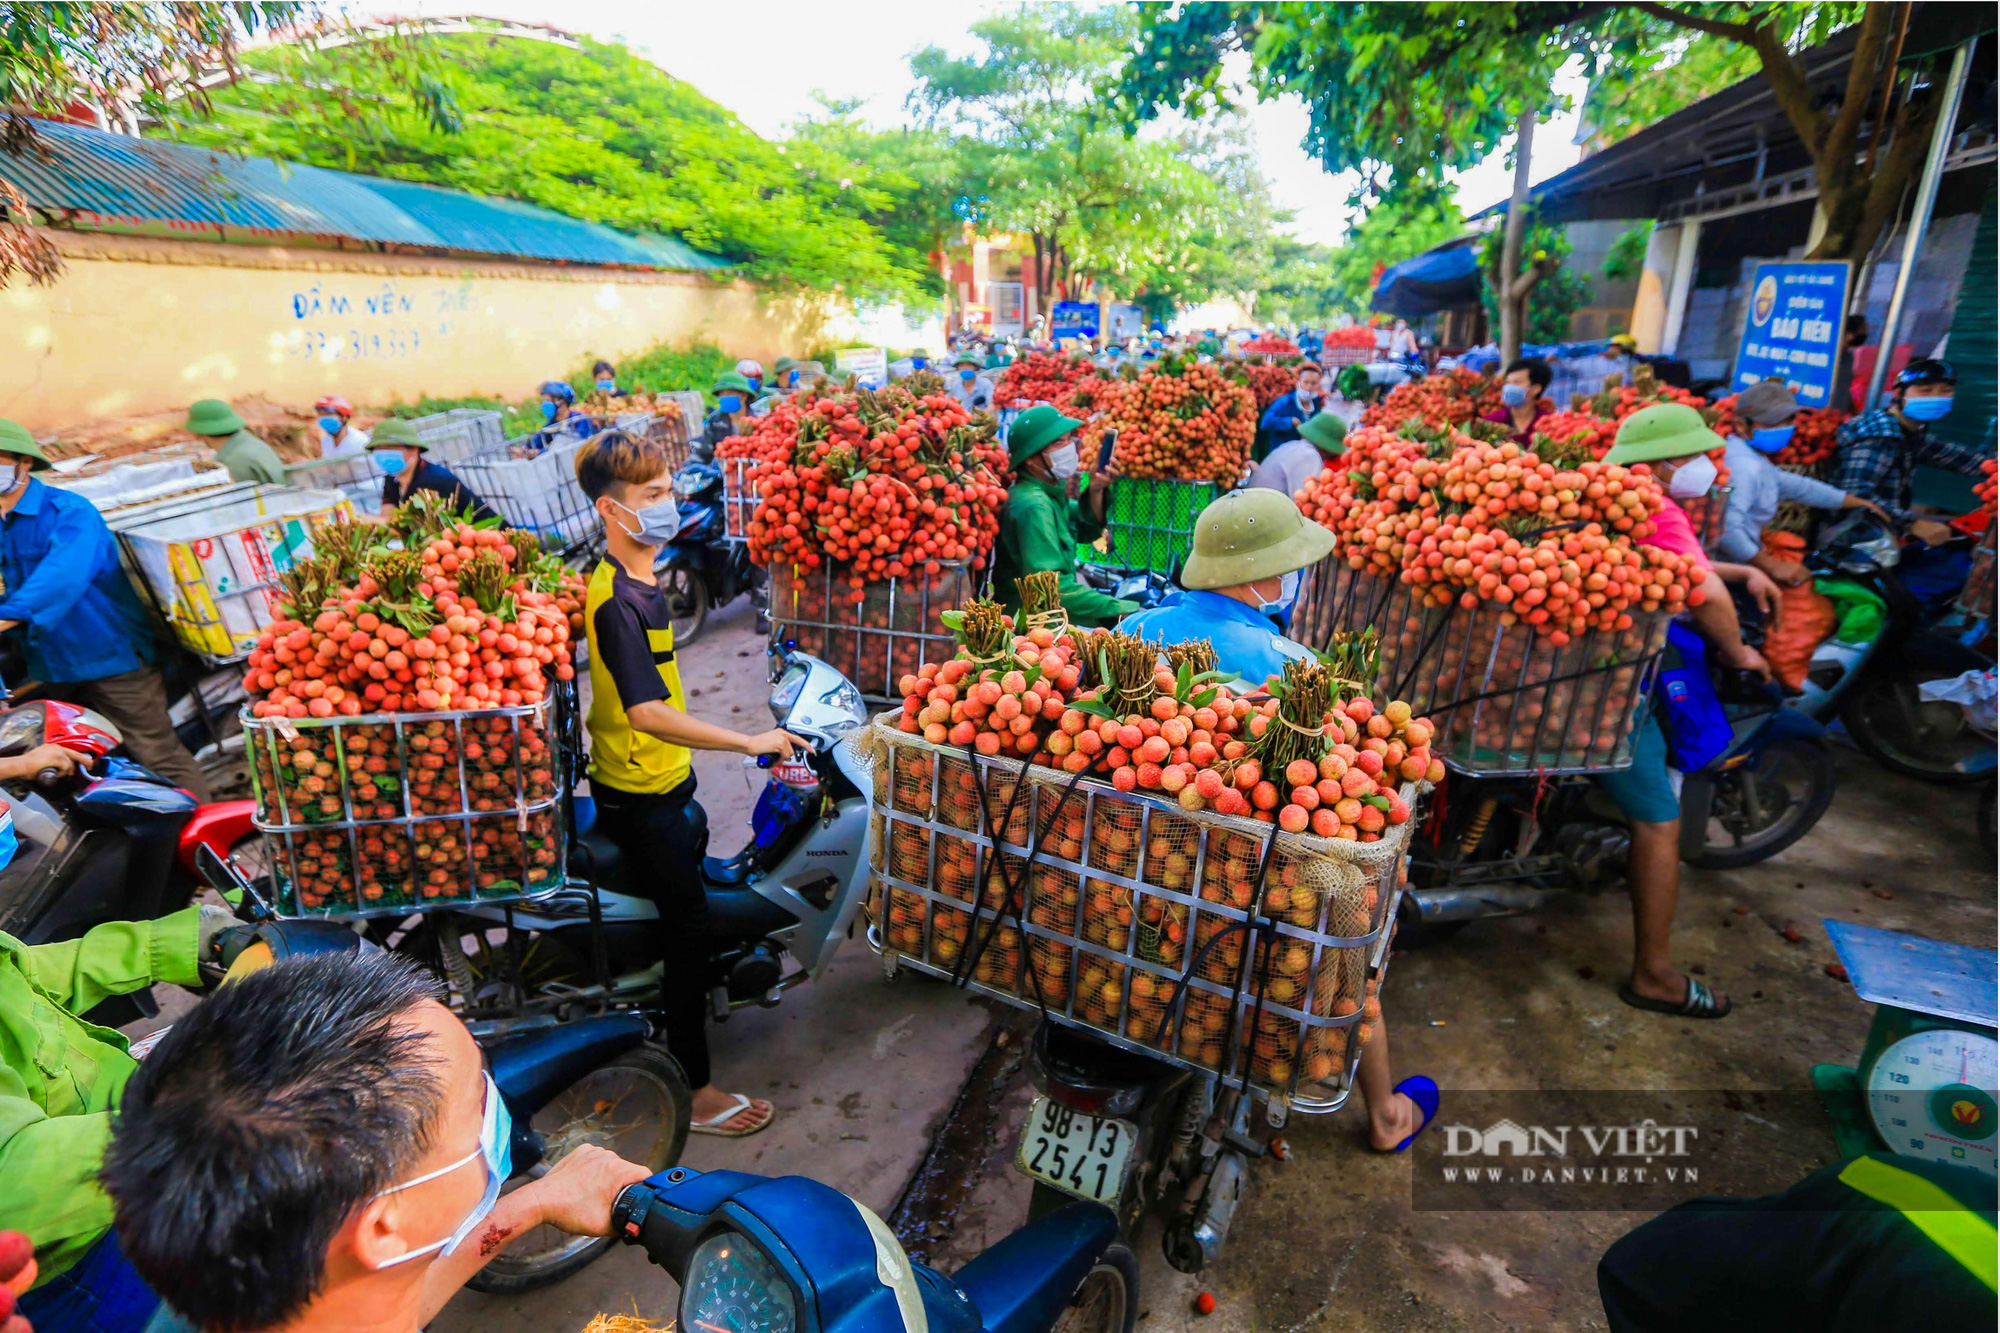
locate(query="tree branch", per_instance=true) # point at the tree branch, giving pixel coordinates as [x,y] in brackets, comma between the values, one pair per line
[1735,32]
[1862,71]
[1793,92]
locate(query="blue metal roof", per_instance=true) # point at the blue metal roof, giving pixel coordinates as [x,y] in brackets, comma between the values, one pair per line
[109,177]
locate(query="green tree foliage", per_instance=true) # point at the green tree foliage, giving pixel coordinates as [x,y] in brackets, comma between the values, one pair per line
[1171,213]
[1403,92]
[1626,258]
[1560,293]
[596,133]
[1397,228]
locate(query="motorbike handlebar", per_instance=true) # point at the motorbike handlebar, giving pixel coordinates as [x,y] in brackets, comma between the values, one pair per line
[48,777]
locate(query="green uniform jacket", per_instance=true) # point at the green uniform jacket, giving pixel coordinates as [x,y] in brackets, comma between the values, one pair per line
[60,1077]
[248,458]
[1039,529]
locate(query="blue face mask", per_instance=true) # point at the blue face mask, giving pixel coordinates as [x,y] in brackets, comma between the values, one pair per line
[607,386]
[968,375]
[791,377]
[1513,395]
[1770,439]
[331,425]
[496,1137]
[391,461]
[756,383]
[1925,409]
[548,410]
[731,403]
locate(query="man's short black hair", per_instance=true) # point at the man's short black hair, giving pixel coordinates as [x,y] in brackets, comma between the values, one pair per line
[1309,366]
[260,1123]
[1538,370]
[603,368]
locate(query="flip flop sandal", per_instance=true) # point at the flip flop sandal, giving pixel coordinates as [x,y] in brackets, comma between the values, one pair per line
[714,1124]
[1424,1092]
[1700,1002]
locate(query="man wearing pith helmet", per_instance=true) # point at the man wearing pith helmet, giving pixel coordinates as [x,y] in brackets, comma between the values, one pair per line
[88,639]
[1041,525]
[1250,548]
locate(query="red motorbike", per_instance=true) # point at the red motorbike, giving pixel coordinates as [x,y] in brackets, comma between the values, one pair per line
[117,842]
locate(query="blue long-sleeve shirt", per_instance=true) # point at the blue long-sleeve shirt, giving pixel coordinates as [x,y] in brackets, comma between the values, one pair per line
[1246,642]
[1282,418]
[64,584]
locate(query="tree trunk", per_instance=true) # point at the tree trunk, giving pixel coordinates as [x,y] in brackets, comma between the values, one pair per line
[1513,309]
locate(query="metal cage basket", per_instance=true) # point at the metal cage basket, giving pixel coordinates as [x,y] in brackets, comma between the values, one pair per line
[739,496]
[1133,917]
[891,632]
[534,489]
[395,812]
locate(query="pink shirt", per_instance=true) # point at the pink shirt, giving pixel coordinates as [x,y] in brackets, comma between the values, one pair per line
[1673,531]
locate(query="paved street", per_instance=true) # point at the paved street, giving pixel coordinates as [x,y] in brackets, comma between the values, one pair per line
[865,1073]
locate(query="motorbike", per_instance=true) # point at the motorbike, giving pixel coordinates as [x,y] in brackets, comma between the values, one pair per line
[1875,688]
[786,901]
[117,842]
[789,1254]
[701,569]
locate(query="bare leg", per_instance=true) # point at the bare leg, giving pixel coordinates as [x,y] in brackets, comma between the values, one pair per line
[1392,1116]
[1655,878]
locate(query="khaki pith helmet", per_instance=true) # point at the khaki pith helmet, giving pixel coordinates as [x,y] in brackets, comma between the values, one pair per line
[1252,535]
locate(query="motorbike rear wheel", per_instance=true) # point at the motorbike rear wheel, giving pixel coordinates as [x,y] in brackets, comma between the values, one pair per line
[1760,808]
[1896,728]
[1107,1300]
[637,1106]
[687,602]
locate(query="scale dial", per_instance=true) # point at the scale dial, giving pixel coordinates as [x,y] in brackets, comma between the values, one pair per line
[1931,1095]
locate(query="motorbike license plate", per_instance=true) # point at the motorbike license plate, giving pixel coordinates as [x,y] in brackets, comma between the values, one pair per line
[1079,1154]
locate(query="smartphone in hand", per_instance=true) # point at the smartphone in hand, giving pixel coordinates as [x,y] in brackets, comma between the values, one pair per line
[1104,447]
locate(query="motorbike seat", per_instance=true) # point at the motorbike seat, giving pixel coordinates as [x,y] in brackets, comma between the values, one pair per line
[596,858]
[744,914]
[735,911]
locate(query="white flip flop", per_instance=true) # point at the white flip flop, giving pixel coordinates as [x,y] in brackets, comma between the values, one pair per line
[714,1124]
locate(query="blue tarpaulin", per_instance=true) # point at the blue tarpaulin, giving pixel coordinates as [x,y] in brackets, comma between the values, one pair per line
[1439,280]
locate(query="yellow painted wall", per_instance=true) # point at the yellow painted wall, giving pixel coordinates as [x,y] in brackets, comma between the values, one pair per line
[138,325]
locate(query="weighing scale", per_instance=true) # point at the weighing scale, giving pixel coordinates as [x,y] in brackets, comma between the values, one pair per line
[1927,1077]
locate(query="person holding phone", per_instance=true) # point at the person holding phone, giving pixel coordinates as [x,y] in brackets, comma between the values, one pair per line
[1042,523]
[973,390]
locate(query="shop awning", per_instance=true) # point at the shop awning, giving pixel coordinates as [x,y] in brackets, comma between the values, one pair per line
[1437,280]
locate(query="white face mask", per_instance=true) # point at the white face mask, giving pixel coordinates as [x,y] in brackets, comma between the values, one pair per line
[1288,591]
[1692,478]
[1063,462]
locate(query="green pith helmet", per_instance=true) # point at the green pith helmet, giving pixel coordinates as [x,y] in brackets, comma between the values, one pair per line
[212,416]
[783,364]
[967,359]
[1035,430]
[731,382]
[398,434]
[1248,536]
[1664,430]
[1326,433]
[14,439]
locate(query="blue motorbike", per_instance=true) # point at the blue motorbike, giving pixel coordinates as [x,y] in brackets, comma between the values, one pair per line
[701,569]
[789,1255]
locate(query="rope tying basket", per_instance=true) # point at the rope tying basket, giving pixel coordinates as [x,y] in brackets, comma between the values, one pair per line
[1215,942]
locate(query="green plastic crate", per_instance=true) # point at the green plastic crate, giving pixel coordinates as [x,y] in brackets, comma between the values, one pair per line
[1149,525]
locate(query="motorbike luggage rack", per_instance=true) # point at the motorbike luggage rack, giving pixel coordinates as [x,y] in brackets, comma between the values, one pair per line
[1260,932]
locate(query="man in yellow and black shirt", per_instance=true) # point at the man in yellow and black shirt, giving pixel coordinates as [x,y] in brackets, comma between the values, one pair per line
[641,771]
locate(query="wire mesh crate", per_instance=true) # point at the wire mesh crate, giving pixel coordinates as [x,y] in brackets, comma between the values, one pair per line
[1335,599]
[1214,942]
[461,432]
[1346,356]
[210,562]
[1149,525]
[399,811]
[739,496]
[535,489]
[1707,513]
[1509,700]
[891,632]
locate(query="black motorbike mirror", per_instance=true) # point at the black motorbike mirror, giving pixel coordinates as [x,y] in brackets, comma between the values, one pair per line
[226,877]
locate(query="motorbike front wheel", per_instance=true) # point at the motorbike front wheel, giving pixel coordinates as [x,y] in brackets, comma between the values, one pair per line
[1931,741]
[1107,1300]
[1758,809]
[637,1106]
[687,602]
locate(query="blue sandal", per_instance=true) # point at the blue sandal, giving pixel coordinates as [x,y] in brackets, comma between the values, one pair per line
[1424,1092]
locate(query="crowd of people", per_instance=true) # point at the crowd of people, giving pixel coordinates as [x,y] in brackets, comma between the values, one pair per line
[327,1123]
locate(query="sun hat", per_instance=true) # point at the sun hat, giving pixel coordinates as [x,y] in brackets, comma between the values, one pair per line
[1035,430]
[1326,433]
[397,433]
[1250,535]
[15,439]
[212,416]
[1664,430]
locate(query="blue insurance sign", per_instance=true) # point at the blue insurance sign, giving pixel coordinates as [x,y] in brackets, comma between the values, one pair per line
[1074,319]
[1792,329]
